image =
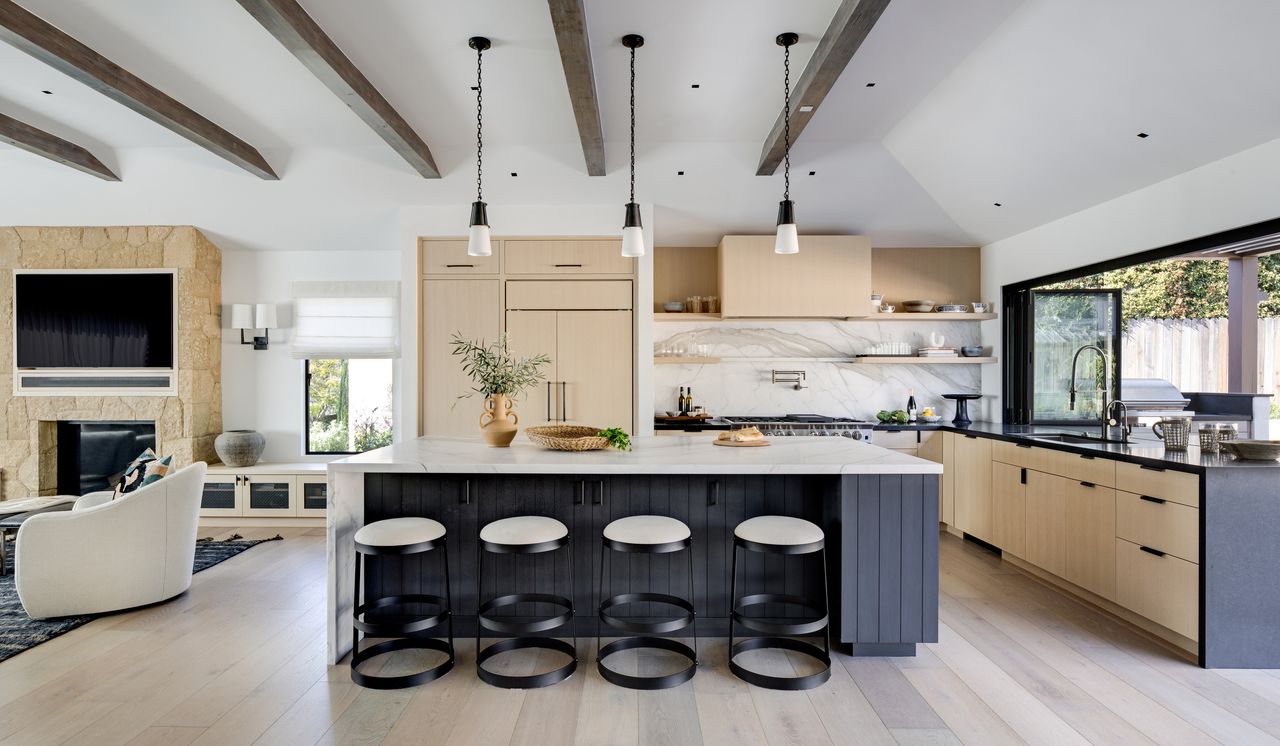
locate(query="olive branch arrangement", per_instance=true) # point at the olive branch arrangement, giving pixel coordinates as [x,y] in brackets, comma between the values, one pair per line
[495,368]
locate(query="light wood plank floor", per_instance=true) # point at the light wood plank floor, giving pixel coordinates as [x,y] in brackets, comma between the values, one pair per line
[241,659]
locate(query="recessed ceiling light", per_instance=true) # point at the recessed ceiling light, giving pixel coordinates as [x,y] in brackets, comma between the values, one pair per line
[806,109]
[47,93]
[813,173]
[1143,134]
[871,85]
[679,173]
[696,85]
[997,204]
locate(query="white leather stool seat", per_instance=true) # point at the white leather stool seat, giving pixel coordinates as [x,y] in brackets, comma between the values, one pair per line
[779,530]
[399,532]
[523,530]
[646,529]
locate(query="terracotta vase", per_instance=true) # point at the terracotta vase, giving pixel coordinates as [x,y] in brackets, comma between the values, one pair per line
[498,423]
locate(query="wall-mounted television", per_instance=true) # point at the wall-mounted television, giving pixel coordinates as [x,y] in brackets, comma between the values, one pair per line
[94,319]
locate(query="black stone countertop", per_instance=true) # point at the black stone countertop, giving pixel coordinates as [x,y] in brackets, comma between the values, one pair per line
[1141,453]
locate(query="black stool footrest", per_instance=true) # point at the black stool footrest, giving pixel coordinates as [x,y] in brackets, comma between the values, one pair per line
[647,628]
[815,618]
[647,682]
[784,683]
[525,628]
[533,681]
[401,682]
[411,624]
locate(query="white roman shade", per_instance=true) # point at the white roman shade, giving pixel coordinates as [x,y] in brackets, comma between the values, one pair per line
[334,320]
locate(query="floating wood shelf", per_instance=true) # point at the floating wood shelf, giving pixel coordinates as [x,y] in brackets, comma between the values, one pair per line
[932,316]
[684,360]
[680,316]
[925,317]
[904,360]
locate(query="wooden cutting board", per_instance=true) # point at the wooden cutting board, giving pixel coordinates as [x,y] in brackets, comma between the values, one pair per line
[741,444]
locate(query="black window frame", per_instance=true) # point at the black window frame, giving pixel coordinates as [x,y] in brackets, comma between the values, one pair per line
[1016,382]
[306,414]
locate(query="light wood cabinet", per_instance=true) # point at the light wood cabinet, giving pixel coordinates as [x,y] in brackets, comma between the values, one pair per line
[1047,522]
[829,278]
[269,495]
[933,446]
[265,491]
[221,496]
[1164,589]
[528,256]
[473,308]
[1160,524]
[313,494]
[1009,508]
[590,379]
[1090,537]
[448,256]
[973,486]
[1174,486]
[567,295]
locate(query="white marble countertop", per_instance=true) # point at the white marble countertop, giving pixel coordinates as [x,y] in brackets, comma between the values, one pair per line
[690,454]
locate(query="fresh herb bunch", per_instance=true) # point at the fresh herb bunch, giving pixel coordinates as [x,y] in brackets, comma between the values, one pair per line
[617,438]
[495,369]
[896,417]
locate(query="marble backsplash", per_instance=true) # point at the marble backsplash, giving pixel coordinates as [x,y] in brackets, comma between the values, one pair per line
[750,350]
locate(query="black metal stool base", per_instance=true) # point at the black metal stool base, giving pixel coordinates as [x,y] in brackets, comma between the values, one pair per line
[647,628]
[496,624]
[814,622]
[647,683]
[371,681]
[784,683]
[396,629]
[534,681]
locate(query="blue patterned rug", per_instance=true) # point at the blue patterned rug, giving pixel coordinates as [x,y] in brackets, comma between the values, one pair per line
[19,632]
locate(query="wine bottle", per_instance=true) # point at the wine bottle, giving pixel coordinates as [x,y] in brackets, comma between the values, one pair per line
[911,405]
[688,403]
[680,401]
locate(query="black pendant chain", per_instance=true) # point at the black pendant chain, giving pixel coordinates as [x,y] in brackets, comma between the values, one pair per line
[786,122]
[479,123]
[633,124]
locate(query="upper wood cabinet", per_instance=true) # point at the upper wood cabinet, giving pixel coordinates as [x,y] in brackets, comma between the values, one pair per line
[448,256]
[829,278]
[527,256]
[473,308]
[569,295]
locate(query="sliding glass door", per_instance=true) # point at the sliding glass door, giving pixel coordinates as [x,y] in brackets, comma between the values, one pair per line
[1062,322]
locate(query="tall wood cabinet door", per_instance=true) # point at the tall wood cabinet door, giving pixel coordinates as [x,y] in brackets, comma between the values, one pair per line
[474,308]
[948,496]
[594,367]
[1009,508]
[1047,522]
[1091,534]
[932,448]
[534,333]
[973,486]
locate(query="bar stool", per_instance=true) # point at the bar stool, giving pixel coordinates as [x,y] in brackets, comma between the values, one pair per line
[646,534]
[775,534]
[400,536]
[524,535]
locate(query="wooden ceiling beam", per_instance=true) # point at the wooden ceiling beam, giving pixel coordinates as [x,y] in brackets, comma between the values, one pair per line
[59,50]
[24,136]
[292,27]
[850,26]
[570,21]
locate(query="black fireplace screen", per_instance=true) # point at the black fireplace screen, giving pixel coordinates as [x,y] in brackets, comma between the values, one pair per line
[92,455]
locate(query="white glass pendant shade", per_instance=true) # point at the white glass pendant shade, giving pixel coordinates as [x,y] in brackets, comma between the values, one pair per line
[788,241]
[264,316]
[633,241]
[478,243]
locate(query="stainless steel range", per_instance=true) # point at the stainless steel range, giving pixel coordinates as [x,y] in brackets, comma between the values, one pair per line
[806,424]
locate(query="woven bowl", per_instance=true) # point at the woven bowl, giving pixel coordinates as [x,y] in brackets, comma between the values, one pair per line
[1252,450]
[567,437]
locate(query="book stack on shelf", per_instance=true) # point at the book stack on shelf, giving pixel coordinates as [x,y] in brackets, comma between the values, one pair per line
[939,351]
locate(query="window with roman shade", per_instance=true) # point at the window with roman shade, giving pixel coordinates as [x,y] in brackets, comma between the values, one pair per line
[346,320]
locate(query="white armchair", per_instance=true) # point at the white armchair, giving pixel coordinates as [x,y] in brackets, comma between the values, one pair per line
[106,555]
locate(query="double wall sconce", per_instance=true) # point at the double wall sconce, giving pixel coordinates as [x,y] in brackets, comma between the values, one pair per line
[260,316]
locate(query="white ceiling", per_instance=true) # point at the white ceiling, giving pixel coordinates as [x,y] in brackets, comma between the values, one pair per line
[1032,103]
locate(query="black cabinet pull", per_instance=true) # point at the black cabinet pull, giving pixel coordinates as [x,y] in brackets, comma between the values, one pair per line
[971,437]
[1023,445]
[581,497]
[1087,458]
[599,498]
[1150,499]
[459,266]
[1088,484]
[895,430]
[564,405]
[1024,476]
[713,492]
[549,402]
[1151,468]
[466,492]
[1149,550]
[568,265]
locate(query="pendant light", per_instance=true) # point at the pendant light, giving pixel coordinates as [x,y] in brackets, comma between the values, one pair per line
[632,232]
[788,241]
[478,243]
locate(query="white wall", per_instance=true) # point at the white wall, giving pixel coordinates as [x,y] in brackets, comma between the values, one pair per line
[1235,191]
[262,389]
[521,220]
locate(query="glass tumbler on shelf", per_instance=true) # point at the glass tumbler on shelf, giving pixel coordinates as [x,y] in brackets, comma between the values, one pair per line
[713,304]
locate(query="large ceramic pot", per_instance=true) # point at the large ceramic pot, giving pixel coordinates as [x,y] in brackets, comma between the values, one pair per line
[498,423]
[239,447]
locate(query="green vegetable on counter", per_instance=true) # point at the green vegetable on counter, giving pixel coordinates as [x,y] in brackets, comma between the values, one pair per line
[618,438]
[896,417]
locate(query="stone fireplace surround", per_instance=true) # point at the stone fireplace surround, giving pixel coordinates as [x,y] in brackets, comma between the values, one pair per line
[186,424]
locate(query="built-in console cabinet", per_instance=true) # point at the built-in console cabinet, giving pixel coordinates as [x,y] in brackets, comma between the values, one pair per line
[569,298]
[1122,535]
[282,493]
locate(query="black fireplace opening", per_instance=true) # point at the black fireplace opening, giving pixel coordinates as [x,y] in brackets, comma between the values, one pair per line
[92,455]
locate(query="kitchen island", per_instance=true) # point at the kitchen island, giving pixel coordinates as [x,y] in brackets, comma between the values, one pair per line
[878,508]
